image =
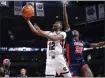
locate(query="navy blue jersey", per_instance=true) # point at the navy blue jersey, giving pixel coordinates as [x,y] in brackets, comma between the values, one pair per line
[76,48]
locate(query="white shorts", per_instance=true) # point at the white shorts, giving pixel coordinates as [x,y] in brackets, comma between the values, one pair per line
[57,64]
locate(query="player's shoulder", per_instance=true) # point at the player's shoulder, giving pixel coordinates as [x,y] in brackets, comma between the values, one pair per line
[63,33]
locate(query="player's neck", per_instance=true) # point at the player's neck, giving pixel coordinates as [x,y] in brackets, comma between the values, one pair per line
[57,30]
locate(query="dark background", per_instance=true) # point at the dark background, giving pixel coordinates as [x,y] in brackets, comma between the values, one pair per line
[23,37]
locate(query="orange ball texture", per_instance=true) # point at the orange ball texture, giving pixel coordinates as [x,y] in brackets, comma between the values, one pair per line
[28,11]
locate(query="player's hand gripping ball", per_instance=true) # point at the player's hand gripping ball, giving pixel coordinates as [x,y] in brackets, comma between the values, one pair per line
[28,11]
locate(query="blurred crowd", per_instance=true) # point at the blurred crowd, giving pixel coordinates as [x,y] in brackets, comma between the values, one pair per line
[5,70]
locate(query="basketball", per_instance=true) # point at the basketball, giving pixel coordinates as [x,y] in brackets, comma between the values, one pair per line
[28,11]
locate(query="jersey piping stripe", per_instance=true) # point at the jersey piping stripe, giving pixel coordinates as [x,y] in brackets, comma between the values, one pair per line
[68,53]
[49,75]
[65,72]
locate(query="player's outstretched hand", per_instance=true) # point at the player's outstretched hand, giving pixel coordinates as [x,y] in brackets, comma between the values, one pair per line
[36,27]
[65,3]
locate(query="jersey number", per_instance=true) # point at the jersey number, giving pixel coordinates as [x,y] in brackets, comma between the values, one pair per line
[79,49]
[51,46]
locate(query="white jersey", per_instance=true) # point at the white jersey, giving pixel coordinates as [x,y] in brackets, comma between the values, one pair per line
[55,47]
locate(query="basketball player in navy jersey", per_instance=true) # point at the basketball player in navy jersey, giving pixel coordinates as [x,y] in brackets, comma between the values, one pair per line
[77,63]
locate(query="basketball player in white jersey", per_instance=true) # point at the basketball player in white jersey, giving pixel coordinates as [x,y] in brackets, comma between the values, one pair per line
[55,61]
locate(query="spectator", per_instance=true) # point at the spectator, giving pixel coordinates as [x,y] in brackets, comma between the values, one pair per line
[23,73]
[4,69]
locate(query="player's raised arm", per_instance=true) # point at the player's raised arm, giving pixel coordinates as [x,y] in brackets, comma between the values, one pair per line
[97,44]
[32,27]
[66,24]
[53,38]
[65,16]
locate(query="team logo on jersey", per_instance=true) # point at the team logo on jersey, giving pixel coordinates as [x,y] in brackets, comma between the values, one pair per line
[64,69]
[53,57]
[78,47]
[78,43]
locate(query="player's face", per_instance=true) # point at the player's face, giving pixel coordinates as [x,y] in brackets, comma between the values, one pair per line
[23,71]
[57,26]
[75,33]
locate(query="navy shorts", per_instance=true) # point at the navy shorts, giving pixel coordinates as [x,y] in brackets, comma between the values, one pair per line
[76,68]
